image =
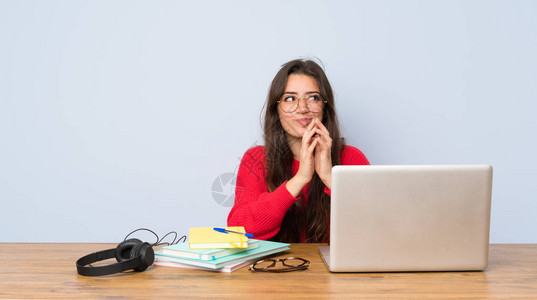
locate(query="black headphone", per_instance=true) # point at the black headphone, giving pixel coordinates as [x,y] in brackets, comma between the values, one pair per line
[130,254]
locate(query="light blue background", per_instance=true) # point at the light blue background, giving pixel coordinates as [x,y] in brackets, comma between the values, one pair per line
[116,115]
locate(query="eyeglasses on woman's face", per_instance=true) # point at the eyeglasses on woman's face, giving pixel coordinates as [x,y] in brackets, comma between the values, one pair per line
[289,264]
[314,102]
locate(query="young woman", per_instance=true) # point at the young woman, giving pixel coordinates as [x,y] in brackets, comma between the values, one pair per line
[283,189]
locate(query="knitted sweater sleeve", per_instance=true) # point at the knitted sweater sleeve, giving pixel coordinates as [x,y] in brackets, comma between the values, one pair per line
[260,212]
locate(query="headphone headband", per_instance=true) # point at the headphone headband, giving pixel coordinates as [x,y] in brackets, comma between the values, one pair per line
[105,270]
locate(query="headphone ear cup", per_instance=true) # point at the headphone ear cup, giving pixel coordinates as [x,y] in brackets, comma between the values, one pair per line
[124,249]
[147,253]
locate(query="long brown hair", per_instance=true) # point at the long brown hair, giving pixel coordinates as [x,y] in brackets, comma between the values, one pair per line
[314,218]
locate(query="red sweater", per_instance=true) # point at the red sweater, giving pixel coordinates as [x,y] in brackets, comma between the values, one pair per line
[261,212]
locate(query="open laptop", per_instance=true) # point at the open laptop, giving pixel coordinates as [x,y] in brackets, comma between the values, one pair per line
[409,218]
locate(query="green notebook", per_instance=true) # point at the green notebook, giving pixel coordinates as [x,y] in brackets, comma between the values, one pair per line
[265,248]
[182,250]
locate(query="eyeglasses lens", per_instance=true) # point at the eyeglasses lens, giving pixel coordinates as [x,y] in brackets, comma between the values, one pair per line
[313,103]
[293,262]
[264,264]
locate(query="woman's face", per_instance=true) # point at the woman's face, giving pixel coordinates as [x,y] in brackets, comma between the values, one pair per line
[295,123]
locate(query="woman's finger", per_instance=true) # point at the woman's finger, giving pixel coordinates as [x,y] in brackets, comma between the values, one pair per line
[321,144]
[324,139]
[322,127]
[310,131]
[313,145]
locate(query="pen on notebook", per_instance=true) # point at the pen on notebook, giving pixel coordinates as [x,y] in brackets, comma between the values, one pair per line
[223,230]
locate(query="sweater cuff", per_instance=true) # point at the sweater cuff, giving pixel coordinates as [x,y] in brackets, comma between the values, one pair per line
[282,193]
[328,191]
[286,192]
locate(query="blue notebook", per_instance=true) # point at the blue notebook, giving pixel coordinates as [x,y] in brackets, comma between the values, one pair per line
[265,248]
[183,251]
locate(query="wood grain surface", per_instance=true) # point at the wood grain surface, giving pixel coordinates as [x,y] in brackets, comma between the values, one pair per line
[36,270]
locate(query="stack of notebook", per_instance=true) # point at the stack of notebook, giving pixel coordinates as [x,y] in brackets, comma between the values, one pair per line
[208,249]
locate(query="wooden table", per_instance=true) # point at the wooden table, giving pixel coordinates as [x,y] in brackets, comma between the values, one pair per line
[48,271]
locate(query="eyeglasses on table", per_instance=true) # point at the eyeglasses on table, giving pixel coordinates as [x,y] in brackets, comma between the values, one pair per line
[288,264]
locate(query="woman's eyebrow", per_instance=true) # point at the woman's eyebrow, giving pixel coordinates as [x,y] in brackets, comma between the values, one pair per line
[309,92]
